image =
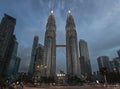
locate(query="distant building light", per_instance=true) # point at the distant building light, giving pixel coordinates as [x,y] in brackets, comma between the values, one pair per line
[60,75]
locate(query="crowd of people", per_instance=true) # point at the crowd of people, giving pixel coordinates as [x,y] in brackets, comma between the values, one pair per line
[17,85]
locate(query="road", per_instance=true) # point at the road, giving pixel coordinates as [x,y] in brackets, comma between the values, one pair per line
[75,87]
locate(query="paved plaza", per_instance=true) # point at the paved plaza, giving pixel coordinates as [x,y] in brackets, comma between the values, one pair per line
[75,87]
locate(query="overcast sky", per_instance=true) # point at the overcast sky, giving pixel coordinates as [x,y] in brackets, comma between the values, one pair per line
[97,22]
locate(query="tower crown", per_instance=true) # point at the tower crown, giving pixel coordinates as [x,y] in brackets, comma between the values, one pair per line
[70,20]
[51,24]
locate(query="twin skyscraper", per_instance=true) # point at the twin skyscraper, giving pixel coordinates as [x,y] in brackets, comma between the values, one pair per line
[75,65]
[72,60]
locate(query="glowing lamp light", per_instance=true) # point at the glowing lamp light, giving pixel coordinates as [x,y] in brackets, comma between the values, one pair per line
[52,11]
[69,11]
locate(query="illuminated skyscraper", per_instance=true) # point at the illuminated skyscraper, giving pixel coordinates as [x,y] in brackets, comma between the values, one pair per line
[50,46]
[38,65]
[73,64]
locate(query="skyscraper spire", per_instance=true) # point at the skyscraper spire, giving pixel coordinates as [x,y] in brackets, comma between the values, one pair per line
[70,20]
[51,22]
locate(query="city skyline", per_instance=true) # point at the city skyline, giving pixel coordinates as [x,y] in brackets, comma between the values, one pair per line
[96,21]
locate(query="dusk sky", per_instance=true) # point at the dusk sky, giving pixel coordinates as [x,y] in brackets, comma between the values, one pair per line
[97,22]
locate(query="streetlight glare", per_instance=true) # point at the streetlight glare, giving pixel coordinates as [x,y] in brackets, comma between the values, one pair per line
[38,66]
